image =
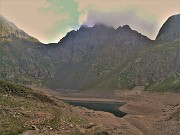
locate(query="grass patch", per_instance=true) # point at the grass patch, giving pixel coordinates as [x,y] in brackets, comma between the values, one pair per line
[20,90]
[169,84]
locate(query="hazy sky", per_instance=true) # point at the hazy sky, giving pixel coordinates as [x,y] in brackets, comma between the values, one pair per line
[50,20]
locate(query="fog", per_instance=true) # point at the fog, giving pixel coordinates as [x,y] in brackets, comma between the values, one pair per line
[146,26]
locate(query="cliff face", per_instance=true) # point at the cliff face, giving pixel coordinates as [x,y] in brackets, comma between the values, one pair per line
[97,57]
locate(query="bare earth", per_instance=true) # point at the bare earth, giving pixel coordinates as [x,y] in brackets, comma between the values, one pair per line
[147,113]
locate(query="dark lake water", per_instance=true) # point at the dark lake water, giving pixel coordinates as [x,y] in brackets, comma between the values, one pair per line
[112,107]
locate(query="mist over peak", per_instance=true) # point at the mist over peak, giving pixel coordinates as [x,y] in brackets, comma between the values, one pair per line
[145,26]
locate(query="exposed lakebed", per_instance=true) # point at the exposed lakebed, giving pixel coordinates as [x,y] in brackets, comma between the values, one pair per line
[111,107]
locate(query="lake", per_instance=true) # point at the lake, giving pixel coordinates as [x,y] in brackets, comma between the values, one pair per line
[111,107]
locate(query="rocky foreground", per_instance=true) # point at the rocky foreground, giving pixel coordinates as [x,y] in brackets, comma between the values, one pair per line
[30,112]
[33,112]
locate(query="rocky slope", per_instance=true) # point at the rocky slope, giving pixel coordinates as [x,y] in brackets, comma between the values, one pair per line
[97,57]
[156,68]
[37,111]
[22,57]
[9,31]
[90,52]
[170,30]
[22,62]
[27,111]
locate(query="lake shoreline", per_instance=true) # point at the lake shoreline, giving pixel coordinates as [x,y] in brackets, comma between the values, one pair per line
[147,113]
[105,106]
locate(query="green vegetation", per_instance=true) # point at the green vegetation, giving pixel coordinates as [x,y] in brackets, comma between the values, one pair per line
[169,84]
[140,68]
[19,90]
[175,115]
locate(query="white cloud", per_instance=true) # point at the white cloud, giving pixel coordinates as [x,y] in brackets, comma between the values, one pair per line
[145,26]
[144,16]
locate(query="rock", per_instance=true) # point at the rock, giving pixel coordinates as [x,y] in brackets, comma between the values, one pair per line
[34,127]
[70,119]
[82,131]
[71,125]
[102,133]
[90,125]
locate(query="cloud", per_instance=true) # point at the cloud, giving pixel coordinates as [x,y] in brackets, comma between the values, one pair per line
[49,20]
[144,25]
[144,16]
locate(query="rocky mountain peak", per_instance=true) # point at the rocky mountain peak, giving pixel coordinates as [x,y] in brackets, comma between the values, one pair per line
[170,30]
[128,36]
[99,25]
[83,27]
[126,27]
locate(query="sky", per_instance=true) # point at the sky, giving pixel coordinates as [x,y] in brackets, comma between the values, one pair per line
[50,20]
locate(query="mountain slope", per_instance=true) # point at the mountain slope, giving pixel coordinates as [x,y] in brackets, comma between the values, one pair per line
[92,51]
[26,110]
[97,57]
[24,62]
[156,67]
[170,30]
[22,57]
[9,31]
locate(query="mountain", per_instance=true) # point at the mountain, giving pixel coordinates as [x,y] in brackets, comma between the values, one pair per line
[158,66]
[9,32]
[97,57]
[22,57]
[92,51]
[170,30]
